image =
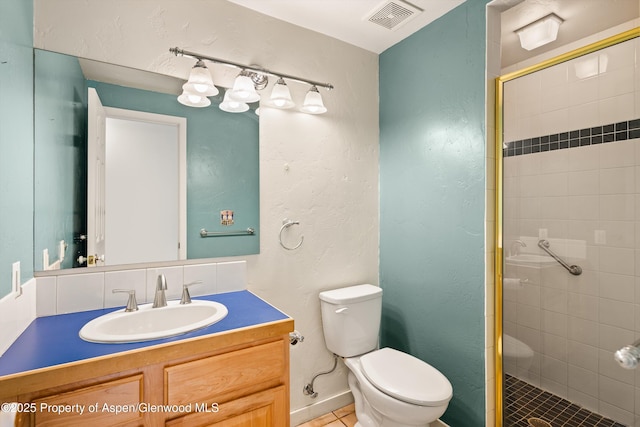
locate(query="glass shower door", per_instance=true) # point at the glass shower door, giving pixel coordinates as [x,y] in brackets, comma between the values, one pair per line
[571,240]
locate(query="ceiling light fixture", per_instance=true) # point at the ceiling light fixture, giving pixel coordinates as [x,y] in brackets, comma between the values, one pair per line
[252,78]
[540,32]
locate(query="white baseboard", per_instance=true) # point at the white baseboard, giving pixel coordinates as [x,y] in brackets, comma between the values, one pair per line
[320,408]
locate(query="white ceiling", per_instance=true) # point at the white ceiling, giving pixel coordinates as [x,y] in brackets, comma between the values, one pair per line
[347,20]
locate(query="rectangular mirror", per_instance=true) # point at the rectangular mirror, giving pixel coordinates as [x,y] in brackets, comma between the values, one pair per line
[220,172]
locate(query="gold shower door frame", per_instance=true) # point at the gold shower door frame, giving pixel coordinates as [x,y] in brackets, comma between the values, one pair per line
[499,127]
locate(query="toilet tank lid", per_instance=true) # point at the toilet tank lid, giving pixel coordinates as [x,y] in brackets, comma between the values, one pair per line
[351,294]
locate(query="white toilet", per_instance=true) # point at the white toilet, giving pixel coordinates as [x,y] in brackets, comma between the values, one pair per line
[390,388]
[517,355]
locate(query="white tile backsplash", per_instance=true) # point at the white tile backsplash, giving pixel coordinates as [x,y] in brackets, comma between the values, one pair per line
[207,273]
[80,292]
[90,291]
[232,276]
[175,280]
[124,280]
[46,300]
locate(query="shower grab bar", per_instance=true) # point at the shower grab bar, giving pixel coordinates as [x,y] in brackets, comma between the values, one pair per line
[205,233]
[573,269]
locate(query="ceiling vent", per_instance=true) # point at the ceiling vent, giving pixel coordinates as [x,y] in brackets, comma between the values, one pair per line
[393,14]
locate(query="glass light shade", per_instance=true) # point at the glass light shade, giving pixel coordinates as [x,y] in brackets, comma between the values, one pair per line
[200,81]
[191,99]
[591,66]
[231,106]
[313,102]
[540,32]
[243,90]
[280,95]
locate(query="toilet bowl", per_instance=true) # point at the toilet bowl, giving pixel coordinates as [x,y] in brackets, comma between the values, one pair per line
[390,388]
[400,389]
[517,355]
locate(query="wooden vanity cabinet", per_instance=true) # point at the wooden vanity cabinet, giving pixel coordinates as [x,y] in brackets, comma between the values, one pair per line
[235,379]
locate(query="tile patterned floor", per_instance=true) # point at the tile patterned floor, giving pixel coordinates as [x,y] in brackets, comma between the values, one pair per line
[524,401]
[342,417]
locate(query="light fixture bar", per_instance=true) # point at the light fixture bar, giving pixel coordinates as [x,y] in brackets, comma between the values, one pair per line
[180,52]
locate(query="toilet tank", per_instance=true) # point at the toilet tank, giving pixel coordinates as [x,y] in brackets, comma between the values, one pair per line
[351,319]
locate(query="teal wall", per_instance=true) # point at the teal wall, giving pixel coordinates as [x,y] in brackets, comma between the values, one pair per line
[432,192]
[16,140]
[60,125]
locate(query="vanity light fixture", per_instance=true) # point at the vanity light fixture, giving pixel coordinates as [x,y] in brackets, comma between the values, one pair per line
[191,99]
[313,102]
[540,32]
[230,105]
[200,81]
[253,78]
[280,95]
[244,89]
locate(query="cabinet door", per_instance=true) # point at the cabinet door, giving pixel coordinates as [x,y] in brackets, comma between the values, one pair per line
[265,409]
[95,405]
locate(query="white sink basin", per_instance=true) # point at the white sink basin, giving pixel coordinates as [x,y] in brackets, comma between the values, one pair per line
[530,260]
[149,323]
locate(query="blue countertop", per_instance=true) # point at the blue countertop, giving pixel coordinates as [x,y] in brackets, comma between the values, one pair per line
[54,340]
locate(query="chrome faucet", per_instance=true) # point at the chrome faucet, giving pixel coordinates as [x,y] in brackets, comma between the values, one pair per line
[160,300]
[515,250]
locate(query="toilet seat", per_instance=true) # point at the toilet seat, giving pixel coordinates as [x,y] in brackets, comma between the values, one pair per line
[406,378]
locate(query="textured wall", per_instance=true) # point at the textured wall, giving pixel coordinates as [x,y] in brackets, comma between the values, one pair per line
[319,170]
[432,192]
[16,141]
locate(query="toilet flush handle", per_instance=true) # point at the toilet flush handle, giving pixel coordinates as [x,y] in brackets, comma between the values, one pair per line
[342,310]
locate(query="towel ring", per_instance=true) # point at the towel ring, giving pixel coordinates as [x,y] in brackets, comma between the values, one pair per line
[286,223]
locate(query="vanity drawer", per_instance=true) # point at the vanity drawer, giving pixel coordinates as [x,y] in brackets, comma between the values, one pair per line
[64,409]
[267,408]
[208,380]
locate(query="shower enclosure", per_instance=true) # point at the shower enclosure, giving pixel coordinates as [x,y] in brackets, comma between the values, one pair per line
[568,288]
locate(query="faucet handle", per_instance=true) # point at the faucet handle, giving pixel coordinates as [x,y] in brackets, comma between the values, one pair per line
[186,298]
[161,283]
[132,304]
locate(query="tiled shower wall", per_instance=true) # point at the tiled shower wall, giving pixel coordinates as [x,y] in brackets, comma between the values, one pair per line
[582,193]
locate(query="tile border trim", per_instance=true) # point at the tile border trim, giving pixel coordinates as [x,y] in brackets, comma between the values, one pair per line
[612,132]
